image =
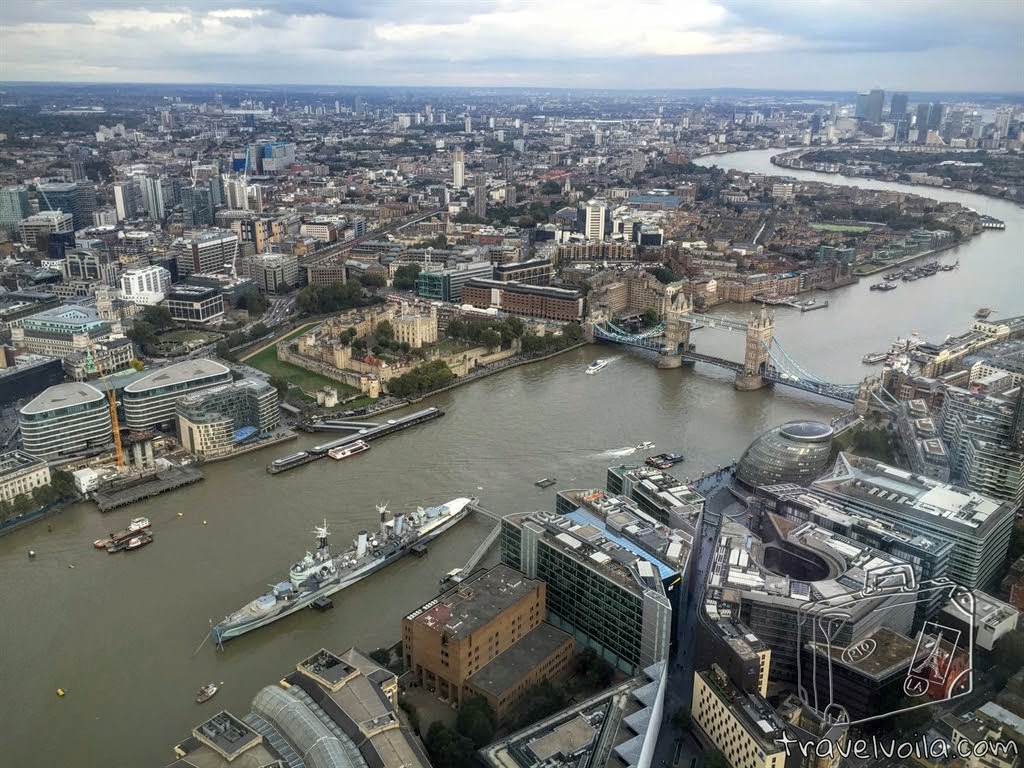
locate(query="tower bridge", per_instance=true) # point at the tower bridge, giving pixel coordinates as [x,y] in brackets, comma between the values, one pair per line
[765,361]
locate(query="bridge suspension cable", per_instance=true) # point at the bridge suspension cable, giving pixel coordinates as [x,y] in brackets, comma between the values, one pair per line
[788,364]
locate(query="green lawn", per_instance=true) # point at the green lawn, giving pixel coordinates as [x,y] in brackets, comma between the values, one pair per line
[266,360]
[851,228]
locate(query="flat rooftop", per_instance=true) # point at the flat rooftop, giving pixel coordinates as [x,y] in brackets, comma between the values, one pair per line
[179,373]
[511,665]
[13,462]
[326,666]
[475,602]
[63,396]
[73,314]
[564,740]
[889,652]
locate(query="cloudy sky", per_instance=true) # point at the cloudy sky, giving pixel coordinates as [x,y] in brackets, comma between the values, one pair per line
[911,45]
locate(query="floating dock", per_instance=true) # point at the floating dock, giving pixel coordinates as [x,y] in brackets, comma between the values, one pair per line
[367,432]
[144,488]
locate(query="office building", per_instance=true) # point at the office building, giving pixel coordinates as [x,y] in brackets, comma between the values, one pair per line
[86,265]
[659,494]
[978,526]
[61,331]
[541,301]
[20,473]
[15,205]
[593,220]
[613,573]
[197,206]
[338,710]
[326,273]
[485,637]
[898,107]
[66,420]
[145,285]
[43,224]
[534,272]
[195,303]
[873,108]
[272,272]
[125,200]
[993,619]
[213,421]
[78,199]
[446,284]
[480,197]
[747,731]
[272,156]
[27,375]
[458,168]
[211,251]
[150,401]
[233,290]
[797,452]
[921,440]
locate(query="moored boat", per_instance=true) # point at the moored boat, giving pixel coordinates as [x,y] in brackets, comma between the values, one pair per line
[137,542]
[346,451]
[982,313]
[664,460]
[116,541]
[206,693]
[874,357]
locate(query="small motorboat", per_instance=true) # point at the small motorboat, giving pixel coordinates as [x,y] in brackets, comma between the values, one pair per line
[206,693]
[137,542]
[101,543]
[597,365]
[546,482]
[645,446]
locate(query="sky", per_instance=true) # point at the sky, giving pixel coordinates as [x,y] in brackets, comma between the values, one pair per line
[911,45]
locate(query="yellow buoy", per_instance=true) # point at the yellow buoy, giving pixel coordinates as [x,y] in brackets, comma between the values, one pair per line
[60,691]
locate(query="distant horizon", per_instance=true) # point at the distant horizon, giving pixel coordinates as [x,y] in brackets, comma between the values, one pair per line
[266,86]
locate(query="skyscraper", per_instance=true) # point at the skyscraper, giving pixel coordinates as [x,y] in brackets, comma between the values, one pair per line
[898,108]
[125,200]
[14,205]
[197,206]
[458,169]
[876,98]
[152,196]
[77,199]
[593,224]
[862,106]
[469,124]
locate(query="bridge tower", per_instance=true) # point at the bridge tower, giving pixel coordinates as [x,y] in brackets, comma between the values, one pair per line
[760,330]
[677,333]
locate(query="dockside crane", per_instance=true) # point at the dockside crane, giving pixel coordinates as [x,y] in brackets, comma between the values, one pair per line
[118,449]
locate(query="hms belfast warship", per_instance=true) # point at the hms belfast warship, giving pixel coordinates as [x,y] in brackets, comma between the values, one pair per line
[320,573]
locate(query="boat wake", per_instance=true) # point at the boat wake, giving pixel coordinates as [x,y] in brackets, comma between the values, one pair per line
[616,452]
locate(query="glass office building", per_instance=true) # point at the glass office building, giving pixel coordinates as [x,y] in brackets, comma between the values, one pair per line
[150,401]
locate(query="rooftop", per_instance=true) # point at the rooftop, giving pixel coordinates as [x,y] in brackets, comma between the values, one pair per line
[63,396]
[480,599]
[564,740]
[179,373]
[512,664]
[890,652]
[13,462]
[72,314]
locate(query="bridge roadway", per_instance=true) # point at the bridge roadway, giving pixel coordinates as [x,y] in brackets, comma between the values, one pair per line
[331,251]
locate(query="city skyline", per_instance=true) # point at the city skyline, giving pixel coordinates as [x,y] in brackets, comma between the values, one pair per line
[727,43]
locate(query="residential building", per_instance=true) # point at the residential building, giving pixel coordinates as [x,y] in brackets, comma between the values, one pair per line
[272,272]
[458,169]
[152,193]
[612,571]
[539,301]
[446,284]
[989,739]
[332,710]
[150,401]
[195,303]
[15,205]
[921,440]
[145,285]
[486,637]
[593,220]
[979,526]
[66,420]
[125,200]
[747,731]
[210,251]
[43,224]
[273,156]
[20,473]
[480,196]
[213,421]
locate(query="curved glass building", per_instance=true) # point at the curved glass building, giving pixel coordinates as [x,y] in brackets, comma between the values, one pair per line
[66,420]
[150,401]
[797,452]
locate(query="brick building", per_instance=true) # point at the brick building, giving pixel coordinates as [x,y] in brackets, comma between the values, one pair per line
[528,300]
[487,637]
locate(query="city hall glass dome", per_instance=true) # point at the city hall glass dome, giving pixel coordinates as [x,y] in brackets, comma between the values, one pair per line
[797,452]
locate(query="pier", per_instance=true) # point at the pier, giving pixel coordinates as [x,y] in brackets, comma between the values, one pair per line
[365,431]
[456,577]
[153,485]
[791,301]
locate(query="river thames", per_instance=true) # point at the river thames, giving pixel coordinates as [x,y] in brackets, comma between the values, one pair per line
[120,633]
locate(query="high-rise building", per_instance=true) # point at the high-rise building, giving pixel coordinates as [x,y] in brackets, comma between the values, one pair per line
[935,114]
[78,199]
[90,265]
[15,205]
[861,110]
[152,191]
[145,285]
[469,124]
[45,223]
[65,420]
[593,223]
[195,304]
[272,272]
[480,196]
[125,200]
[210,251]
[898,107]
[873,111]
[197,206]
[458,169]
[150,401]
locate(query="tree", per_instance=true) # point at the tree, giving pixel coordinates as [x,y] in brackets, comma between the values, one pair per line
[224,350]
[21,504]
[466,216]
[384,331]
[911,720]
[255,304]
[5,510]
[406,275]
[143,333]
[550,188]
[491,339]
[663,274]
[63,482]
[373,280]
[476,721]
[137,364]
[159,317]
[424,378]
[44,495]
[258,331]
[650,316]
[382,656]
[281,385]
[514,327]
[447,748]
[540,701]
[596,672]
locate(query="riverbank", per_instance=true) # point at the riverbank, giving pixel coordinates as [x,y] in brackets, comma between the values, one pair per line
[259,446]
[775,160]
[874,269]
[15,523]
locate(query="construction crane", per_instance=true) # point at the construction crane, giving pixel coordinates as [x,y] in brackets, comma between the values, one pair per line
[113,408]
